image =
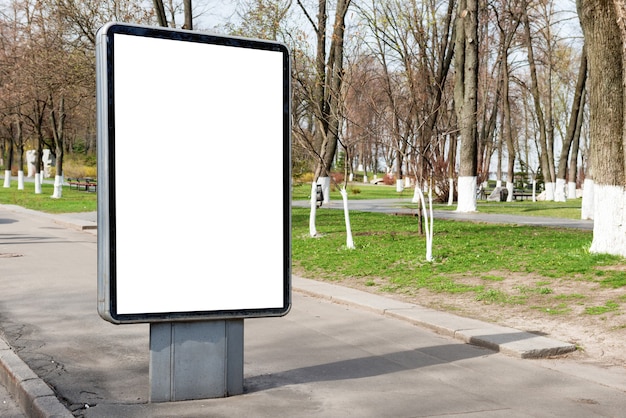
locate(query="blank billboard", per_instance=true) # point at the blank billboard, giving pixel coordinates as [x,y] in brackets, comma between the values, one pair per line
[193,176]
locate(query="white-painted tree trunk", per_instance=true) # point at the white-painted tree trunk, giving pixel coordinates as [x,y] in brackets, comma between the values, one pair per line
[609,225]
[365,178]
[559,191]
[571,190]
[7,179]
[451,192]
[38,183]
[20,180]
[534,190]
[498,183]
[550,192]
[467,194]
[399,185]
[313,213]
[428,223]
[325,183]
[346,212]
[407,182]
[509,189]
[351,177]
[416,193]
[58,187]
[588,202]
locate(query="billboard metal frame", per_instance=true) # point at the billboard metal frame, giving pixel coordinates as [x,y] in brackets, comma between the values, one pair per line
[110,210]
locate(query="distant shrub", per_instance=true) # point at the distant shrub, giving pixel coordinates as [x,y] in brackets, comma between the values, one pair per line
[337,177]
[389,179]
[75,169]
[306,177]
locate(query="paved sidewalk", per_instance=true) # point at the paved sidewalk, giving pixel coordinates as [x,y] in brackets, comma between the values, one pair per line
[339,352]
[406,207]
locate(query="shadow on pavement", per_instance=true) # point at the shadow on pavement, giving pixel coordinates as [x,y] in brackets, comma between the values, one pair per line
[364,367]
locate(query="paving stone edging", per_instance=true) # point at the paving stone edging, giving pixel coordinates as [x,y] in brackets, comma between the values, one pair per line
[506,340]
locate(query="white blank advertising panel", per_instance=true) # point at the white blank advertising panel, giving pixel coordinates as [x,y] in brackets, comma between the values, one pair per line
[193,176]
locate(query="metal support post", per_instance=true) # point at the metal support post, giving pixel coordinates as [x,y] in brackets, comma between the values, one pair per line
[196,360]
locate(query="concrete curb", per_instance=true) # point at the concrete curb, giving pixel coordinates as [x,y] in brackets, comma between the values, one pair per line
[506,340]
[32,394]
[78,224]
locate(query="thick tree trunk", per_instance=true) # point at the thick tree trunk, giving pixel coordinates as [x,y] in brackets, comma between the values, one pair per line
[466,102]
[606,101]
[7,171]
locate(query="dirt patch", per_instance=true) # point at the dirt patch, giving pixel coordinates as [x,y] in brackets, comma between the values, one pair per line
[586,314]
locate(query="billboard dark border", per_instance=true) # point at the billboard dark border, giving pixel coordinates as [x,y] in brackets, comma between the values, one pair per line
[121,213]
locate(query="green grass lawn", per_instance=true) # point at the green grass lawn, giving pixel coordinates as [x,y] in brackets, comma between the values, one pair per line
[569,209]
[389,246]
[469,258]
[72,200]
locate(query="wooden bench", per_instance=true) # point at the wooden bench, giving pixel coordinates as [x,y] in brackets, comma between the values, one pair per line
[86,184]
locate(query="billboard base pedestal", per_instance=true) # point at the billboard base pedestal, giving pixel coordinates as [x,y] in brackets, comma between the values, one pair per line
[196,360]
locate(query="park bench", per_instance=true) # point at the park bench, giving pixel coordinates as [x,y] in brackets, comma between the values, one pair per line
[522,194]
[86,184]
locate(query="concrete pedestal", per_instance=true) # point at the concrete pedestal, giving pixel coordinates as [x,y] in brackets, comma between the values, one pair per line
[196,360]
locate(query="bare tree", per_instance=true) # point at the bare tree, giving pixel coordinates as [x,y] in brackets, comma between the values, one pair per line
[263,19]
[508,21]
[324,90]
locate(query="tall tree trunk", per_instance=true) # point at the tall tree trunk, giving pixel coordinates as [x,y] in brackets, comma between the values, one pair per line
[9,164]
[508,129]
[328,91]
[574,123]
[19,137]
[543,130]
[188,15]
[160,13]
[606,102]
[466,102]
[507,24]
[57,123]
[573,158]
[451,168]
